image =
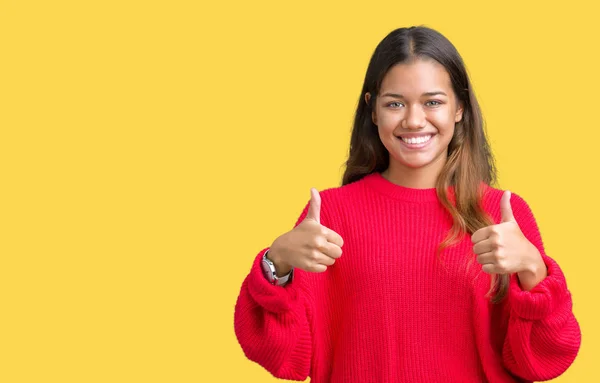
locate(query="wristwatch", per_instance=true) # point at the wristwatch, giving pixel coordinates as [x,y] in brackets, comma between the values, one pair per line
[268,268]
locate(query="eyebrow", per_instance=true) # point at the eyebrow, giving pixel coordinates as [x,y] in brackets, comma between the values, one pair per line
[429,94]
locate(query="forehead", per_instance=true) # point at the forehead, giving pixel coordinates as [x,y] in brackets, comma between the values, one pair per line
[417,77]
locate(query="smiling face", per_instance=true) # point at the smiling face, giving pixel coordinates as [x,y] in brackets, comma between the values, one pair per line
[415,114]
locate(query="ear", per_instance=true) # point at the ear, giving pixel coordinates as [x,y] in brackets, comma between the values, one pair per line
[368,101]
[459,112]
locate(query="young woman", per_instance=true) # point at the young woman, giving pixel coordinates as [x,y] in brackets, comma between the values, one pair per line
[442,277]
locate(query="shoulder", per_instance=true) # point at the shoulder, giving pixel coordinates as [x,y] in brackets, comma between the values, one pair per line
[338,201]
[491,203]
[344,195]
[340,192]
[334,201]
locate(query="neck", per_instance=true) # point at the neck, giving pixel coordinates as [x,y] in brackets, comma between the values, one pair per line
[424,177]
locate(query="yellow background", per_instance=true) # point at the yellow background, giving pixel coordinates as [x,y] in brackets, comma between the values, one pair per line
[150,149]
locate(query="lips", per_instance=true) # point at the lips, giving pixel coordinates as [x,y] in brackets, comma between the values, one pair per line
[415,135]
[418,145]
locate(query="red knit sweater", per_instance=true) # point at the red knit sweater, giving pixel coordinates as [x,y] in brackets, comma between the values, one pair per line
[389,310]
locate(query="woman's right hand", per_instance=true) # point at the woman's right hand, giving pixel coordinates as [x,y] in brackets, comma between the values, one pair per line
[309,246]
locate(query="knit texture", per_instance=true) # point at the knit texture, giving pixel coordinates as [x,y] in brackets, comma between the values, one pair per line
[389,310]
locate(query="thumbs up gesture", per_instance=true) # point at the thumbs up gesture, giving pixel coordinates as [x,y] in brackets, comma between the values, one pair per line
[503,248]
[309,246]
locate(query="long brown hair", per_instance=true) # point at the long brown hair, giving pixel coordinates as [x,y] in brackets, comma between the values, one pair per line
[470,162]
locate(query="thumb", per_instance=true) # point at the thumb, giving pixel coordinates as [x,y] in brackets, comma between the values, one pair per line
[505,208]
[314,209]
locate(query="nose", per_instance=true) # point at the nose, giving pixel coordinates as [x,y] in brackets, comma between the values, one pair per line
[414,118]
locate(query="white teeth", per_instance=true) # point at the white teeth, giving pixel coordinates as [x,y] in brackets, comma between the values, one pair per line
[416,140]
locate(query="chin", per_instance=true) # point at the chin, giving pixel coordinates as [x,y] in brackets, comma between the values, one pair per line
[414,164]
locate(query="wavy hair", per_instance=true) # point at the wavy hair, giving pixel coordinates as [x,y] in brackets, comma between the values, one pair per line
[470,162]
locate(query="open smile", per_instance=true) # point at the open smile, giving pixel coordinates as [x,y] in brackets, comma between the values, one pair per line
[419,142]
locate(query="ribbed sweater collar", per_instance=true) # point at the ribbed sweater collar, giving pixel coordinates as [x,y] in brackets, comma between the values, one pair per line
[378,182]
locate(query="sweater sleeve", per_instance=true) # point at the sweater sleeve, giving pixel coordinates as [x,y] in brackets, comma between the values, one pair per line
[543,336]
[272,322]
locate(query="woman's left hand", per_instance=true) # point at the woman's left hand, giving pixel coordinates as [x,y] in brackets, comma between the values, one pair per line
[503,249]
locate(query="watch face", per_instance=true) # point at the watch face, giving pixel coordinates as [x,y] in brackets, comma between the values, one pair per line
[267,260]
[267,270]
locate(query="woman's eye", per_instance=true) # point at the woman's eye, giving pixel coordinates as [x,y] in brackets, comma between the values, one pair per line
[394,103]
[433,103]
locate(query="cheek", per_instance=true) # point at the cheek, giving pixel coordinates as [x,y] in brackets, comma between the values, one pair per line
[388,120]
[443,121]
